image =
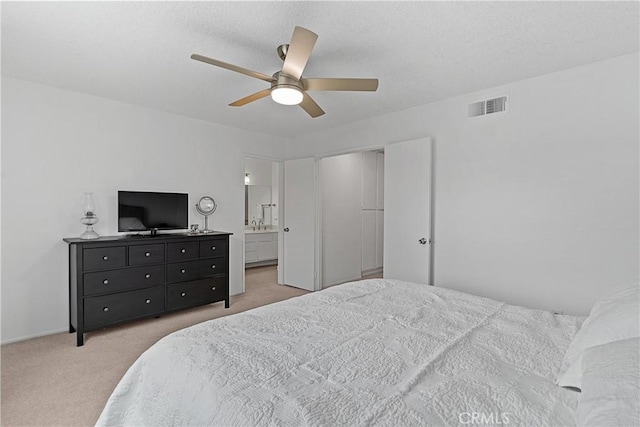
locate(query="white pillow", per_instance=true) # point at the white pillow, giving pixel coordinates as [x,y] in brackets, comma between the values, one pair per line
[610,385]
[612,318]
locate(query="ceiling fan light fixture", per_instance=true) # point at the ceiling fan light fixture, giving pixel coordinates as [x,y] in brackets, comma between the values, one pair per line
[287,85]
[287,95]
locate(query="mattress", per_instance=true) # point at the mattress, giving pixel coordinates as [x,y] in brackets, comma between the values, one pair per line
[374,352]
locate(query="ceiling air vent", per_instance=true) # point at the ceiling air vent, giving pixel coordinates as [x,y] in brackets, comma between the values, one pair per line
[488,106]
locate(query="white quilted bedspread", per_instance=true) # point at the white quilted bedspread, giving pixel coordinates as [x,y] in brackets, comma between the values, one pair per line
[376,352]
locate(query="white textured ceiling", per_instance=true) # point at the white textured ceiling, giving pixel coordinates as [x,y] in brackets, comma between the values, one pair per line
[138,52]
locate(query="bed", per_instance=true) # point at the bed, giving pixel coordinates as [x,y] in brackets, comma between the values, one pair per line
[374,352]
[379,351]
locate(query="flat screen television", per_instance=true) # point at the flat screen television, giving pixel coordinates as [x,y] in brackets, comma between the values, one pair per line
[150,211]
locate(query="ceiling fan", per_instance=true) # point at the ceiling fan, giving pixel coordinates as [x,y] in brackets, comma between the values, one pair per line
[287,86]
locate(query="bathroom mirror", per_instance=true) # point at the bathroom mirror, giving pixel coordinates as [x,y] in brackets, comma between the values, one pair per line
[257,204]
[261,192]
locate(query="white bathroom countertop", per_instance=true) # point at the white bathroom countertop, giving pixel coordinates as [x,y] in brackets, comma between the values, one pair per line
[261,231]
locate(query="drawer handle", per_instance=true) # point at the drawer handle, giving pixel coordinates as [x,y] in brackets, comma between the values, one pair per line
[213,248]
[105,309]
[213,266]
[183,251]
[183,271]
[105,281]
[148,301]
[213,288]
[184,294]
[147,254]
[106,258]
[146,276]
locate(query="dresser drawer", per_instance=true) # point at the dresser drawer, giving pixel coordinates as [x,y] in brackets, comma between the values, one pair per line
[119,280]
[104,310]
[190,270]
[197,292]
[213,248]
[182,251]
[146,254]
[103,258]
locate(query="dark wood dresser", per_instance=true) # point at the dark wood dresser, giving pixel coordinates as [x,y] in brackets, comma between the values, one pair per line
[115,279]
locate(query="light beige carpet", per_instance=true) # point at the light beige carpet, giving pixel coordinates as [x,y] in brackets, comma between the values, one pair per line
[48,381]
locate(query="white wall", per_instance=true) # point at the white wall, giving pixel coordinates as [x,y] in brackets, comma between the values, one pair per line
[537,206]
[259,171]
[341,190]
[56,144]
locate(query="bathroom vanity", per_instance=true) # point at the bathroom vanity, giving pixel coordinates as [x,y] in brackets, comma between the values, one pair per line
[260,247]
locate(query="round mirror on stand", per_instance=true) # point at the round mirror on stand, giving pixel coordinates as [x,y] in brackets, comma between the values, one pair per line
[206,206]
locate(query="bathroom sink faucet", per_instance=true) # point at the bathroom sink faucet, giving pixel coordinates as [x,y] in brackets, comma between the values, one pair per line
[254,225]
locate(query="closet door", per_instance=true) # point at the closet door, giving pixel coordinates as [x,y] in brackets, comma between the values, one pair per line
[379,238]
[340,188]
[380,181]
[380,210]
[407,210]
[369,180]
[368,240]
[372,205]
[299,223]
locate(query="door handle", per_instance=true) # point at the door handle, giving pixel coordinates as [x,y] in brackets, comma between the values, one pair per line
[286,229]
[422,241]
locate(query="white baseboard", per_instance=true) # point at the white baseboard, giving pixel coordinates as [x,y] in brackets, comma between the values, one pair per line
[38,335]
[340,282]
[261,263]
[372,271]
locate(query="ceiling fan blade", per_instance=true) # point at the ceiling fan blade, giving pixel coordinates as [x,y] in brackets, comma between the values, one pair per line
[232,67]
[299,51]
[310,106]
[370,85]
[251,98]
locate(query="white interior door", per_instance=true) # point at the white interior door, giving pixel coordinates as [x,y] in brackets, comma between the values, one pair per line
[341,230]
[299,223]
[368,240]
[407,210]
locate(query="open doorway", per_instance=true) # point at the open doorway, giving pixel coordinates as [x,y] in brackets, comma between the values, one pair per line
[352,216]
[261,214]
